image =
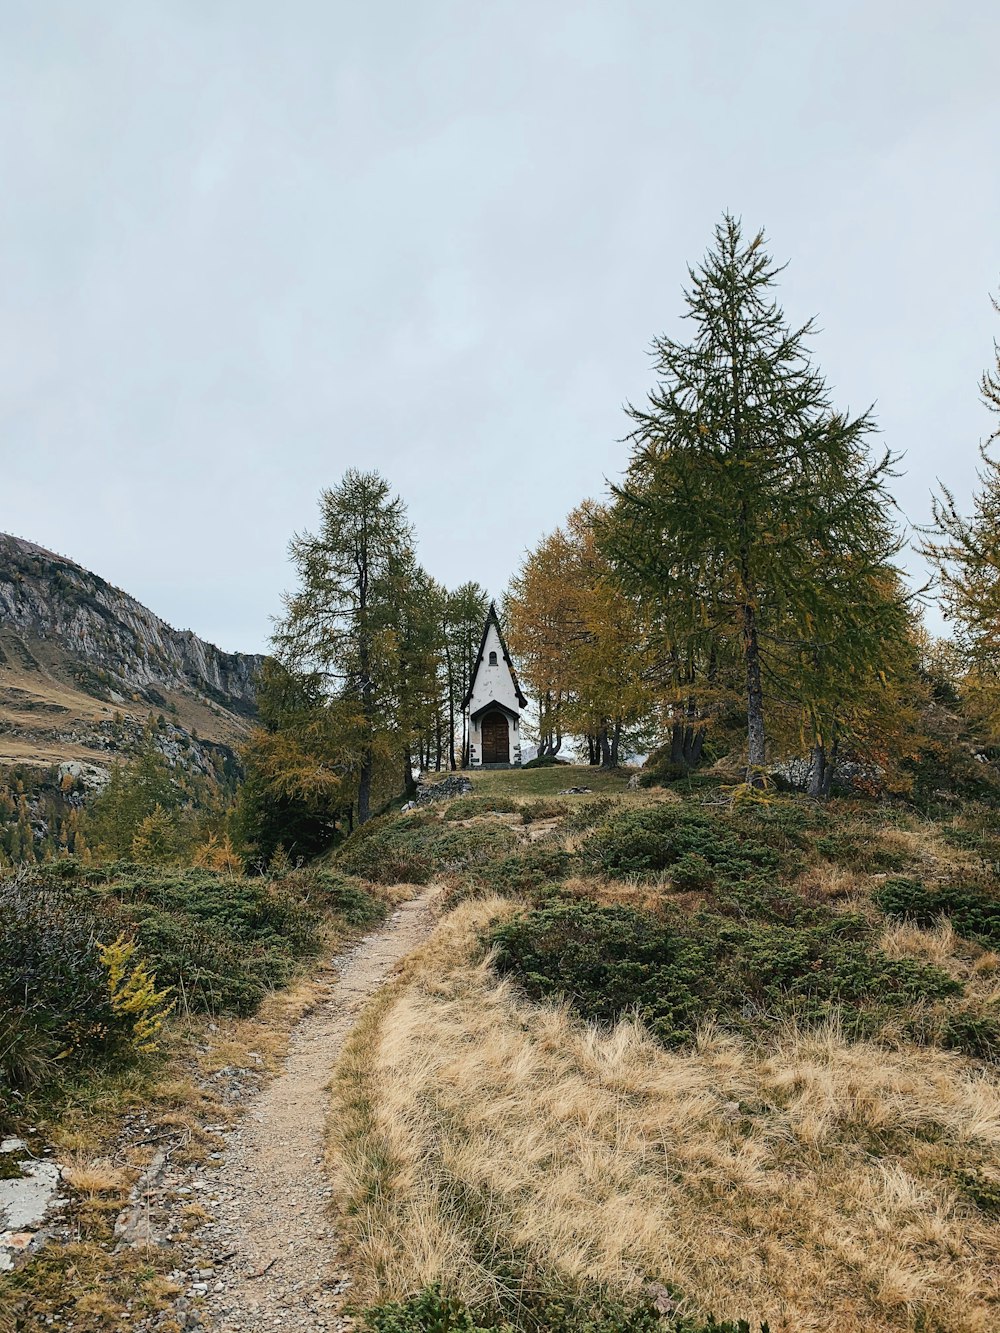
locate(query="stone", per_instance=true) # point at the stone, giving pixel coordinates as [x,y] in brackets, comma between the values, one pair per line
[456,784]
[24,1203]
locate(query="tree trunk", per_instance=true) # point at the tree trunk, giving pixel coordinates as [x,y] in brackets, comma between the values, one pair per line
[616,744]
[677,741]
[697,745]
[602,740]
[451,706]
[409,786]
[755,699]
[365,788]
[831,768]
[817,771]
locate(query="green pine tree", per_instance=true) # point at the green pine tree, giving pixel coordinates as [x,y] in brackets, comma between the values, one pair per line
[343,620]
[751,509]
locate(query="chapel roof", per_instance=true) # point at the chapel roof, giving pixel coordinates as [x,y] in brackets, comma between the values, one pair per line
[494,619]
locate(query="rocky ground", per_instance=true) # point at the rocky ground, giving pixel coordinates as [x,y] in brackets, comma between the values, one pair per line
[265,1254]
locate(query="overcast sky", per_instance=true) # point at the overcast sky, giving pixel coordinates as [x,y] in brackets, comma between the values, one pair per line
[246,245]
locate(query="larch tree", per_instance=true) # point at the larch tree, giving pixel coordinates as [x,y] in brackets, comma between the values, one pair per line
[343,620]
[744,486]
[541,614]
[582,643]
[965,552]
[421,651]
[302,764]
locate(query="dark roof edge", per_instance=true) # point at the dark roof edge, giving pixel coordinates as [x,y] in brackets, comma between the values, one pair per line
[492,615]
[495,706]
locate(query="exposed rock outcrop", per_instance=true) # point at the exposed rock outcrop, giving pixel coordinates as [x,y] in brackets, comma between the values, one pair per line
[129,650]
[84,666]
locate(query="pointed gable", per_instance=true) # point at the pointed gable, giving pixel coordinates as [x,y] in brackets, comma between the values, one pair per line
[494,681]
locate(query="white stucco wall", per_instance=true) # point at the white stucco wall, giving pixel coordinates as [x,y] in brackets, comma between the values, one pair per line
[493,684]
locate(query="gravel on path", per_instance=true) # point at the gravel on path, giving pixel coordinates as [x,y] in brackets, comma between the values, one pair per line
[271,1199]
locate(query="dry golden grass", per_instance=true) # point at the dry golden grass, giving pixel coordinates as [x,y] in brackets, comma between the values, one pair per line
[812,1183]
[978,969]
[831,884]
[95,1177]
[926,852]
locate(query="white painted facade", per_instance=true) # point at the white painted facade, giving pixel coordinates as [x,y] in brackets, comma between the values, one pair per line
[494,682]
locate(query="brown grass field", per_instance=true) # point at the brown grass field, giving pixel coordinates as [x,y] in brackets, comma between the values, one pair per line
[804,1179]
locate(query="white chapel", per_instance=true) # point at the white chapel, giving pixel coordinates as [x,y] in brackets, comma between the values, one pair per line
[494,702]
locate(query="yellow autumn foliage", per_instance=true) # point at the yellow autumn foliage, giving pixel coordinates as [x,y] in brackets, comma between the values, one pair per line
[132,988]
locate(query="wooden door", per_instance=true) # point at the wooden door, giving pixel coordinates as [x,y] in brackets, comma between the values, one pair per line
[496,739]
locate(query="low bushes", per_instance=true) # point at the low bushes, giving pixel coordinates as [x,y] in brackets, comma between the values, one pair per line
[65,1000]
[411,850]
[588,814]
[222,940]
[525,871]
[679,970]
[973,913]
[535,1309]
[86,953]
[695,849]
[468,807]
[532,811]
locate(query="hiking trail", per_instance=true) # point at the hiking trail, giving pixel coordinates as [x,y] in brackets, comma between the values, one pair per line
[272,1223]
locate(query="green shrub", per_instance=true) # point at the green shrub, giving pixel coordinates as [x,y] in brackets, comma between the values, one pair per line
[56,1002]
[607,960]
[975,1034]
[329,891]
[525,871]
[222,941]
[531,811]
[427,1312]
[407,851]
[544,761]
[588,814]
[29,1057]
[859,849]
[983,1190]
[655,838]
[537,1307]
[785,825]
[973,913]
[377,852]
[677,971]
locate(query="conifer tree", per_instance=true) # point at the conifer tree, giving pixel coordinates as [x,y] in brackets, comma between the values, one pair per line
[582,644]
[134,790]
[966,555]
[746,491]
[342,622]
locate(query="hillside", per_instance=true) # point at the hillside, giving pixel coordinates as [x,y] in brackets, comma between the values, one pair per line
[83,664]
[678,1052]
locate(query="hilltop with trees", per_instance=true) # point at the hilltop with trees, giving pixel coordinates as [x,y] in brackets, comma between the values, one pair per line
[713,1039]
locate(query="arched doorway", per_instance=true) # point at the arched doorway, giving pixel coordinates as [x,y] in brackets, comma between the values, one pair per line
[496,739]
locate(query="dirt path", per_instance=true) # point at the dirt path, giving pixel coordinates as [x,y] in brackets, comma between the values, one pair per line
[271,1213]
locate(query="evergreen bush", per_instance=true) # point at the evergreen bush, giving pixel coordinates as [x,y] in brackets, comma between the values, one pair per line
[974,912]
[650,839]
[676,971]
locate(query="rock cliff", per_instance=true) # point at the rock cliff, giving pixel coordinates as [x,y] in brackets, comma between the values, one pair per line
[79,657]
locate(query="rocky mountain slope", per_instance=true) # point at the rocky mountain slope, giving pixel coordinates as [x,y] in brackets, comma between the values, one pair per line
[83,665]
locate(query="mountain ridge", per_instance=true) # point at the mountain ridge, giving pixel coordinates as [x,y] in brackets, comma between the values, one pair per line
[79,655]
